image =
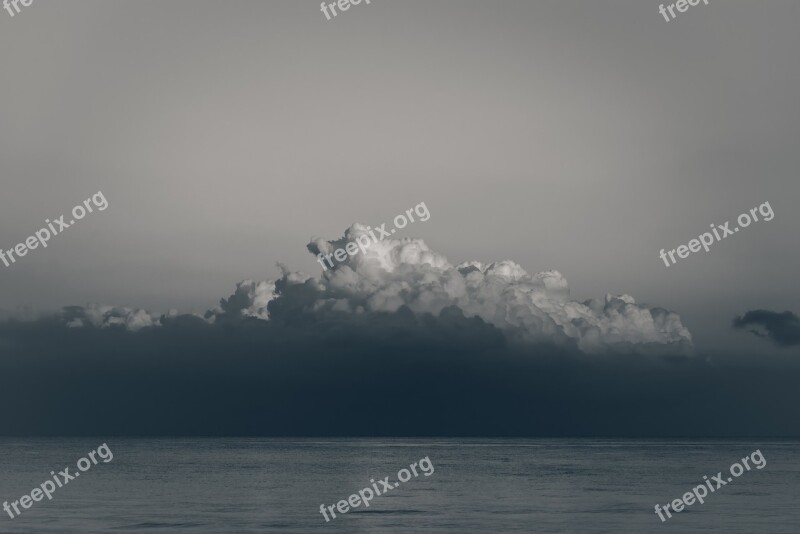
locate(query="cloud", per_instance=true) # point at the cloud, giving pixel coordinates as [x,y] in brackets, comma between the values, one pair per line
[392,274]
[536,308]
[249,300]
[105,316]
[782,328]
[371,374]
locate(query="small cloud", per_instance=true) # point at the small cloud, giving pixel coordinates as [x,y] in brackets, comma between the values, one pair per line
[782,328]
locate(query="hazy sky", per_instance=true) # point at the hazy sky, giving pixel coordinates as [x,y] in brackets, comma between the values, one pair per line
[582,136]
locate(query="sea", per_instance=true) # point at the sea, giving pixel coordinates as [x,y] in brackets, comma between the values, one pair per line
[243,485]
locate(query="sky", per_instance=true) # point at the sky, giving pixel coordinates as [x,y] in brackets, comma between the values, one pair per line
[575,136]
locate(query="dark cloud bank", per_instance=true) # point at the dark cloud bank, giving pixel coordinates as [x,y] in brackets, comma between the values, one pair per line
[384,374]
[385,349]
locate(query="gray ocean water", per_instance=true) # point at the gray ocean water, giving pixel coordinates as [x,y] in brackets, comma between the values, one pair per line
[478,485]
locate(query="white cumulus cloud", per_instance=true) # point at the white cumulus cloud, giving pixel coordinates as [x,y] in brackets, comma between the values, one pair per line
[392,273]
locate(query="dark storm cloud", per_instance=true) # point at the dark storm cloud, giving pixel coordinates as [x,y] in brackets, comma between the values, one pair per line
[339,374]
[782,328]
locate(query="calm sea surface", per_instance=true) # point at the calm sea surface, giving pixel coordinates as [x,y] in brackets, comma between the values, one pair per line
[479,485]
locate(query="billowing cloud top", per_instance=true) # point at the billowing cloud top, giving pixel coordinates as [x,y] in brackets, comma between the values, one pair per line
[406,272]
[395,273]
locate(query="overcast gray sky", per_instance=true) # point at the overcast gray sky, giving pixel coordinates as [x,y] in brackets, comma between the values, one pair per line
[582,136]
